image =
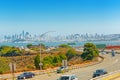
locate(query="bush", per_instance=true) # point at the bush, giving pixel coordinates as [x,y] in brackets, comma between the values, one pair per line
[1,71]
[63,57]
[70,54]
[4,65]
[37,61]
[90,52]
[29,45]
[9,51]
[51,61]
[56,59]
[64,46]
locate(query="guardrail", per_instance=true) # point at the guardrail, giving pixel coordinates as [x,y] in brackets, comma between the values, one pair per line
[109,76]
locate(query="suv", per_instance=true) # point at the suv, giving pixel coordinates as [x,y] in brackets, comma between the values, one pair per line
[62,69]
[68,77]
[99,72]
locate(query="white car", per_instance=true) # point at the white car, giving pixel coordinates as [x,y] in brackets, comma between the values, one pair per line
[62,69]
[68,77]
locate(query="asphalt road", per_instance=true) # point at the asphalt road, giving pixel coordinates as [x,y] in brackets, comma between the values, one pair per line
[110,64]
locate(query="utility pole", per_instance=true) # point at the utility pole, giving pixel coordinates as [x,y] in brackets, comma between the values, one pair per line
[12,69]
[41,64]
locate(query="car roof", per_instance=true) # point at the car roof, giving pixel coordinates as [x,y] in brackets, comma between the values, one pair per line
[100,70]
[69,75]
[27,72]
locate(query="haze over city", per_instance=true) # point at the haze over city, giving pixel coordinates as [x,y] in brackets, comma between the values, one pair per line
[60,39]
[62,16]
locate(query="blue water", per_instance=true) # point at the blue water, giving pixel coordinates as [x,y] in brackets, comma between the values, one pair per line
[58,43]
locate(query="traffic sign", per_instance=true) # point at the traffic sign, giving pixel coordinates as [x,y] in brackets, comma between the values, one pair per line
[41,64]
[64,62]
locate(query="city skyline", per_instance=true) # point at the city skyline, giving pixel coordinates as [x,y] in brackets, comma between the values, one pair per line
[28,37]
[62,16]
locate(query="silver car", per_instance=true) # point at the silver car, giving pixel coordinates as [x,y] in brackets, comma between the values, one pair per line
[62,69]
[68,77]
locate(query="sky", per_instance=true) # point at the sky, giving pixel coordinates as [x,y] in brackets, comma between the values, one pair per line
[61,16]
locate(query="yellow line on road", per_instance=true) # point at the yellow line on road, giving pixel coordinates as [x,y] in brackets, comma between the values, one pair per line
[112,77]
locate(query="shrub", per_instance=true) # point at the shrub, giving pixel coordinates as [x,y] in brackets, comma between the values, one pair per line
[29,45]
[70,54]
[37,61]
[1,71]
[64,46]
[90,52]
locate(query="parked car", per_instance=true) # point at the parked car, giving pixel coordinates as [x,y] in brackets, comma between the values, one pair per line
[99,72]
[68,77]
[25,75]
[62,69]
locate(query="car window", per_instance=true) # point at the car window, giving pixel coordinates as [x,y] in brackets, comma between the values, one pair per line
[73,77]
[99,71]
[64,78]
[25,73]
[62,67]
[29,73]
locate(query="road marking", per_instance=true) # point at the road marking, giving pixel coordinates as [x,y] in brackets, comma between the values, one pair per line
[116,60]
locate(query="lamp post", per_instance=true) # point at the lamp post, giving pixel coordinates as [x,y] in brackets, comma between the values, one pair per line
[41,64]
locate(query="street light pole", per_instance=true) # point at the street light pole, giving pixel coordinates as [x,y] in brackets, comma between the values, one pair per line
[41,48]
[40,58]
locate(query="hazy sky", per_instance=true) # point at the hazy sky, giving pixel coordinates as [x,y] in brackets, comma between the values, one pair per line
[62,16]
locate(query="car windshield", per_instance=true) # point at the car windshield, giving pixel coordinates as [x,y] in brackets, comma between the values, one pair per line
[64,78]
[25,73]
[22,75]
[61,67]
[98,71]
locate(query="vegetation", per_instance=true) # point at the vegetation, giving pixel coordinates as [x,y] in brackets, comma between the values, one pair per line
[36,47]
[4,65]
[90,52]
[37,61]
[29,45]
[9,51]
[52,61]
[64,46]
[70,54]
[49,59]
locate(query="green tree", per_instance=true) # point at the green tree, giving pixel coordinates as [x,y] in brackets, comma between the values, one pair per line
[62,57]
[64,46]
[4,49]
[70,54]
[9,51]
[29,45]
[90,51]
[48,61]
[56,59]
[37,61]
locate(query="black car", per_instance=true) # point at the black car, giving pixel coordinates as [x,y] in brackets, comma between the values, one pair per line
[25,75]
[99,72]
